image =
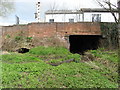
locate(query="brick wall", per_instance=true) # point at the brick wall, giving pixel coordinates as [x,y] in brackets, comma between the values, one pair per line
[50,33]
[78,28]
[15,30]
[42,29]
[51,29]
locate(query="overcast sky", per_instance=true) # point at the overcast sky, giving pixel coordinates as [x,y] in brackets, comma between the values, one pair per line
[25,9]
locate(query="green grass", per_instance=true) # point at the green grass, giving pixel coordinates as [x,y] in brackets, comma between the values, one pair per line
[54,54]
[106,55]
[49,50]
[18,58]
[31,71]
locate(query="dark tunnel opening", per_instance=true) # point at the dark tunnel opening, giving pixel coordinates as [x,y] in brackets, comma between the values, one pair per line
[81,43]
[22,50]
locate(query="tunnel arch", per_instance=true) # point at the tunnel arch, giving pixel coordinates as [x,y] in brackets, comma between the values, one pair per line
[81,43]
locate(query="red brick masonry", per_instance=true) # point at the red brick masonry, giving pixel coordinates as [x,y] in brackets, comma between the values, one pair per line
[52,29]
[48,34]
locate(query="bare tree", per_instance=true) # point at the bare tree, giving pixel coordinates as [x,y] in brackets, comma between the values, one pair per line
[111,7]
[53,7]
[6,7]
[77,8]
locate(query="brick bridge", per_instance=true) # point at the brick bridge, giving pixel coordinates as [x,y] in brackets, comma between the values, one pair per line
[47,29]
[74,34]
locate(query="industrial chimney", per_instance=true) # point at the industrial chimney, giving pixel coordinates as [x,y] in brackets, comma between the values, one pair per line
[37,14]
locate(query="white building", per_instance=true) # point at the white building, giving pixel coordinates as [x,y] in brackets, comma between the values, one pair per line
[83,15]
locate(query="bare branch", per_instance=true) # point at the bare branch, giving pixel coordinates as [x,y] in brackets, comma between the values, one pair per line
[108,2]
[109,8]
[102,5]
[54,6]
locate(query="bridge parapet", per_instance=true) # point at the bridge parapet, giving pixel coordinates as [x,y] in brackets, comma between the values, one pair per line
[51,29]
[81,28]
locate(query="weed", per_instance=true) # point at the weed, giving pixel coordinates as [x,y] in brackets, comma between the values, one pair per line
[17,38]
[29,39]
[29,71]
[112,56]
[54,54]
[49,50]
[7,36]
[18,58]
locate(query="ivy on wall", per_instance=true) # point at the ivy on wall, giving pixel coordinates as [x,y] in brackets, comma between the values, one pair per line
[109,34]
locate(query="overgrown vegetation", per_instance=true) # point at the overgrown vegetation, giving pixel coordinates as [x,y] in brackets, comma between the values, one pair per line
[31,70]
[106,55]
[109,33]
[54,54]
